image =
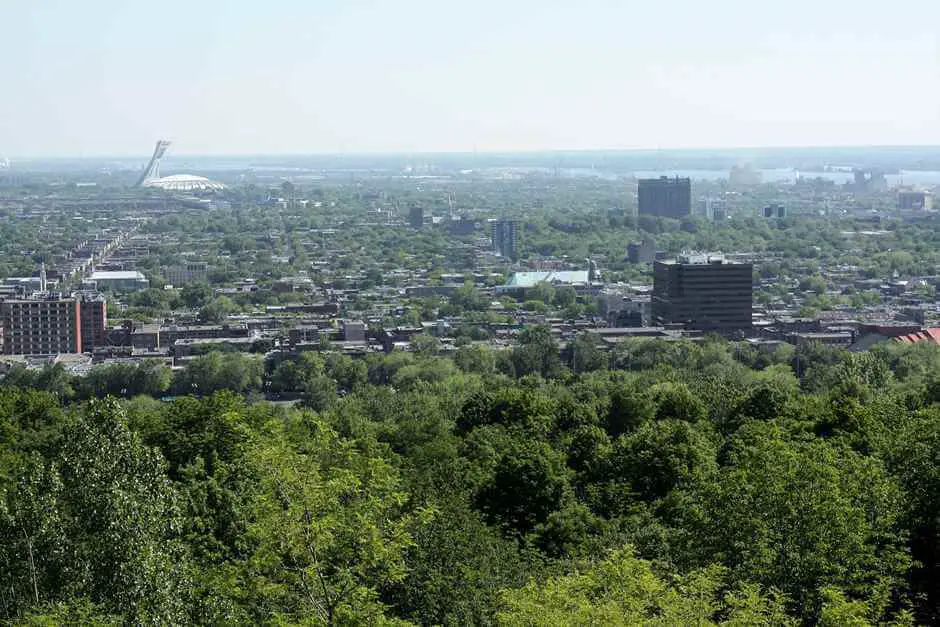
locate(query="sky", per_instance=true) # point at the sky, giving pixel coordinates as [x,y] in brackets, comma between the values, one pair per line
[110,77]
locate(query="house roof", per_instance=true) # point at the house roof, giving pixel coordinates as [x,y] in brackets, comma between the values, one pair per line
[927,335]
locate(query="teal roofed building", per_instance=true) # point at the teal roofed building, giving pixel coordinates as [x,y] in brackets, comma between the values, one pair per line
[526,280]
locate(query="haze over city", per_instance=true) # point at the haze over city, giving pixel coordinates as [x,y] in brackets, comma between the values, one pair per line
[109,77]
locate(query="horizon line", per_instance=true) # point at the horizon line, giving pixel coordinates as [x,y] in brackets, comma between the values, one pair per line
[543,151]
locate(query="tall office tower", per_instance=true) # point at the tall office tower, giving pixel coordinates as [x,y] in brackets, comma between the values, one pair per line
[665,197]
[505,238]
[703,292]
[416,217]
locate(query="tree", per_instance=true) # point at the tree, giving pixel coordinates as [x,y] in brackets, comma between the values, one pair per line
[217,310]
[214,371]
[425,345]
[536,353]
[196,295]
[625,590]
[475,358]
[660,456]
[584,355]
[565,297]
[330,528]
[800,516]
[456,569]
[99,522]
[542,292]
[529,483]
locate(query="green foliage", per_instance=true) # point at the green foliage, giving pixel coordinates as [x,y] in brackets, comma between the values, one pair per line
[495,486]
[214,371]
[843,530]
[98,521]
[330,528]
[625,590]
[529,483]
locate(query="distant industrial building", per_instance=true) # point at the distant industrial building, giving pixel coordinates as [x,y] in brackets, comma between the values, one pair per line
[416,217]
[183,274]
[504,235]
[118,280]
[744,175]
[913,200]
[703,292]
[462,226]
[665,197]
[869,181]
[51,324]
[774,211]
[713,209]
[354,331]
[641,252]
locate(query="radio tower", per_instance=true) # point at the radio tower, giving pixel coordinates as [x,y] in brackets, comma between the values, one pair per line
[152,171]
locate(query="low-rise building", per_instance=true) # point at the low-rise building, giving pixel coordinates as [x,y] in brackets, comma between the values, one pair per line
[119,280]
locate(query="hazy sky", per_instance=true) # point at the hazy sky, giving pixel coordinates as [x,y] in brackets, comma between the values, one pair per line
[109,77]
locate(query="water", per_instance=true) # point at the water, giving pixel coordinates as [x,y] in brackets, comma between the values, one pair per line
[926,178]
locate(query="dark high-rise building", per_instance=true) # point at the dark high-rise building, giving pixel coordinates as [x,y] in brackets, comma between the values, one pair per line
[416,217]
[703,292]
[641,252]
[505,238]
[914,200]
[774,211]
[665,197]
[93,321]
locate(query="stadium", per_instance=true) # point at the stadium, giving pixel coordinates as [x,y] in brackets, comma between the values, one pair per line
[150,177]
[184,183]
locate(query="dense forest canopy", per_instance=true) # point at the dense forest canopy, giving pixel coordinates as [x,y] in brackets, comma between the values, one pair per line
[665,482]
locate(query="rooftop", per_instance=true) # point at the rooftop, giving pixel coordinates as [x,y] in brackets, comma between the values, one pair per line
[128,275]
[530,279]
[184,183]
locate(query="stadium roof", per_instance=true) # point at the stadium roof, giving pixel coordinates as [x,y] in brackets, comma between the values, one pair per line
[184,183]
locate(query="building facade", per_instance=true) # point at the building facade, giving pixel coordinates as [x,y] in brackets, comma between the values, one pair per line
[664,197]
[703,292]
[504,235]
[908,200]
[774,211]
[119,280]
[192,272]
[416,217]
[45,326]
[93,321]
[53,324]
[641,252]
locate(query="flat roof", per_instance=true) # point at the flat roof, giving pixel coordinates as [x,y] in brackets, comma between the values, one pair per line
[117,274]
[530,279]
